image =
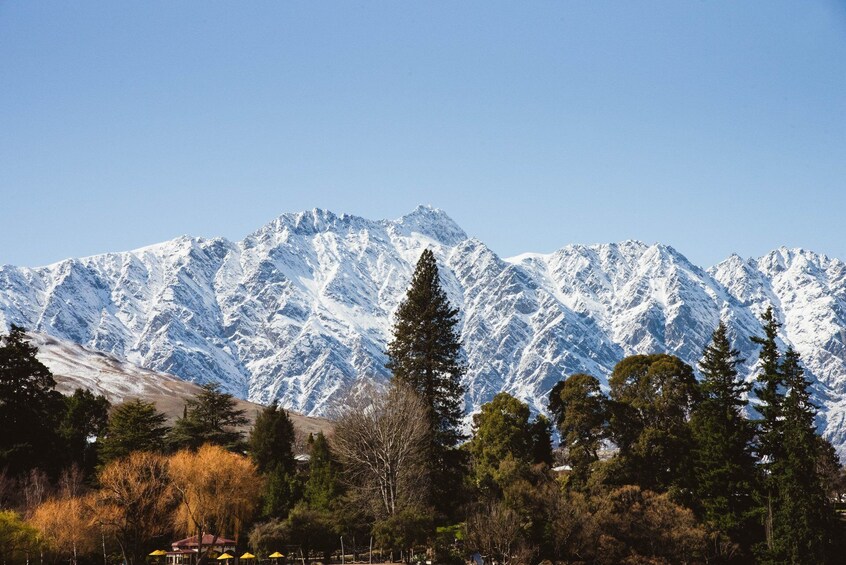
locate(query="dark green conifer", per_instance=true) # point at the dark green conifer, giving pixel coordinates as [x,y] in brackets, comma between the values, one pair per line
[425,353]
[30,407]
[211,417]
[770,392]
[770,389]
[134,425]
[272,439]
[803,519]
[85,421]
[271,449]
[724,462]
[322,489]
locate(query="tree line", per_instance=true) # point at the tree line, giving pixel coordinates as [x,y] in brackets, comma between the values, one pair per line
[660,468]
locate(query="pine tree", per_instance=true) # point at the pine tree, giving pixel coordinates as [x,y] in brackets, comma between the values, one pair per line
[803,520]
[211,417]
[724,462]
[134,425]
[425,353]
[30,407]
[770,393]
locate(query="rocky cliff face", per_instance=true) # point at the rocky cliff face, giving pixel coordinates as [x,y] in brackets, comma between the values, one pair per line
[301,309]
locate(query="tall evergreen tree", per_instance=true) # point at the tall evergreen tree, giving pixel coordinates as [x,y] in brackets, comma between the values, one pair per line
[30,407]
[425,353]
[271,449]
[134,425]
[211,417]
[771,388]
[724,461]
[272,439]
[770,392]
[322,489]
[803,520]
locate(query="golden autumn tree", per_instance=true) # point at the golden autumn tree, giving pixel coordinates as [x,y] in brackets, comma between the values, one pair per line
[65,526]
[134,502]
[218,491]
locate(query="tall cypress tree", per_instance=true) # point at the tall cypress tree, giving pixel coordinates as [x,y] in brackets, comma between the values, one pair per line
[271,449]
[724,463]
[425,353]
[322,489]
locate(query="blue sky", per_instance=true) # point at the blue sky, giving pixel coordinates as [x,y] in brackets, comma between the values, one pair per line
[715,127]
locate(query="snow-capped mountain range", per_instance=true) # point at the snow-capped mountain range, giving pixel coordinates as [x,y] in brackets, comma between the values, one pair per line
[301,310]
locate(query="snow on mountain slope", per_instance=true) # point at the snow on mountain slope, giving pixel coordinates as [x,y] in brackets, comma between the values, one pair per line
[75,366]
[301,309]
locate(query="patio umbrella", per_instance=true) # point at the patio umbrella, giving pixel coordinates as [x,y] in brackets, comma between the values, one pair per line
[248,555]
[224,556]
[158,553]
[275,555]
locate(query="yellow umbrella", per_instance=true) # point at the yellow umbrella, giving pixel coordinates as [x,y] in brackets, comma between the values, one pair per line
[248,555]
[276,555]
[158,553]
[224,556]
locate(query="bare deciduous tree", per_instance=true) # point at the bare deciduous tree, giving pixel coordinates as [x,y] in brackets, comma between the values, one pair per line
[382,444]
[35,488]
[496,531]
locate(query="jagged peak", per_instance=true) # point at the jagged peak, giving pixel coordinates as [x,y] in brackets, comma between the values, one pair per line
[427,220]
[432,222]
[783,258]
[732,263]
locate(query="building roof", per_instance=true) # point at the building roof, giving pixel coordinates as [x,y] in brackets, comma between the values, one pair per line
[208,539]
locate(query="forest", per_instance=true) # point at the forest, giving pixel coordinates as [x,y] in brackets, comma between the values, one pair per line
[659,467]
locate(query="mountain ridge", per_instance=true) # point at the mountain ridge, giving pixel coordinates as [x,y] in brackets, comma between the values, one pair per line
[300,310]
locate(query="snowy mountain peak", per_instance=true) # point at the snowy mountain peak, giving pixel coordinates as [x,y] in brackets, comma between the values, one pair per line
[433,223]
[301,309]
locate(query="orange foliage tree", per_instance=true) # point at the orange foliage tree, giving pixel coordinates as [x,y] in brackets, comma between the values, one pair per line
[65,526]
[218,491]
[134,502]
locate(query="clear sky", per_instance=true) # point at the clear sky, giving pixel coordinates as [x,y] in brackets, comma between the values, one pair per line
[715,127]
